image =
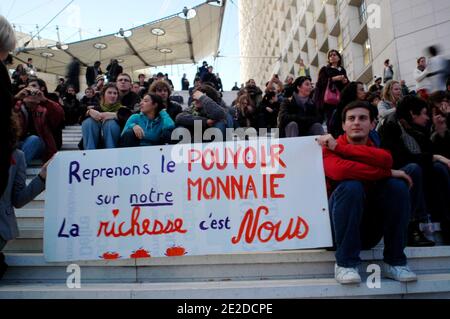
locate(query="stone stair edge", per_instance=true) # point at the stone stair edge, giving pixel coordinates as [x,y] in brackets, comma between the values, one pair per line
[273,289]
[280,257]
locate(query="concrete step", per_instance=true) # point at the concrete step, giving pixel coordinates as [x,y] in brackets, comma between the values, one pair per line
[28,218]
[38,204]
[286,265]
[435,286]
[72,128]
[25,246]
[72,133]
[70,146]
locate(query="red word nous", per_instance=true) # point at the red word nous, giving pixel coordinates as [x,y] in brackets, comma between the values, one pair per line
[136,227]
[251,228]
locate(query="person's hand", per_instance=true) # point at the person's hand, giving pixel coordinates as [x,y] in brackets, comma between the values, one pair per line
[442,159]
[404,176]
[96,115]
[445,108]
[43,172]
[268,109]
[210,122]
[22,94]
[344,80]
[18,106]
[139,132]
[440,124]
[35,96]
[327,141]
[197,95]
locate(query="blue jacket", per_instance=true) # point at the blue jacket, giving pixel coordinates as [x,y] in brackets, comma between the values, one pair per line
[154,129]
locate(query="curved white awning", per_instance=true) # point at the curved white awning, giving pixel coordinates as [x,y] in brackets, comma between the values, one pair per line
[169,41]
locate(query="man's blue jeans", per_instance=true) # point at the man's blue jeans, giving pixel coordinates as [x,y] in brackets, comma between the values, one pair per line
[92,131]
[361,217]
[33,147]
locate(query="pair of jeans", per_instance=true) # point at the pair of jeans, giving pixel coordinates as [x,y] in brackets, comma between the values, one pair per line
[223,125]
[129,139]
[33,147]
[438,192]
[293,130]
[419,211]
[361,217]
[93,131]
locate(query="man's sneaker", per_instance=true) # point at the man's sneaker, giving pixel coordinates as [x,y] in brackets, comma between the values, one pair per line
[346,276]
[399,273]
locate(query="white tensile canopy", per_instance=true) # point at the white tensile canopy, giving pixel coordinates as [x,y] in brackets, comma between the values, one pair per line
[184,38]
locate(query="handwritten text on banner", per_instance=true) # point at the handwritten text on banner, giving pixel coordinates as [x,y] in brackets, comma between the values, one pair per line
[219,198]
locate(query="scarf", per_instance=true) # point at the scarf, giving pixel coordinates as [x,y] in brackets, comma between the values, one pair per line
[111,108]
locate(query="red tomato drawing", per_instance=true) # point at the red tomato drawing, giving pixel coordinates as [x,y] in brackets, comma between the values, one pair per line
[176,251]
[141,253]
[110,256]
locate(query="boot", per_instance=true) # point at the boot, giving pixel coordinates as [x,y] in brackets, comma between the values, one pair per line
[416,238]
[445,232]
[3,265]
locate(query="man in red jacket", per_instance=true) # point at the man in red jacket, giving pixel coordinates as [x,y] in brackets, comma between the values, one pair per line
[368,199]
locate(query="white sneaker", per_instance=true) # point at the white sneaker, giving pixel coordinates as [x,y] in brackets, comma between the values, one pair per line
[399,273]
[346,276]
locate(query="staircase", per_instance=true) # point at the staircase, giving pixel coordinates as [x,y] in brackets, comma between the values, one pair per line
[284,274]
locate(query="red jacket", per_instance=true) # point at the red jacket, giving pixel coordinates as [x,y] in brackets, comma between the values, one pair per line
[365,163]
[47,117]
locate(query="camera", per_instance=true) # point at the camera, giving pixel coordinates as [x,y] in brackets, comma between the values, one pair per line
[32,93]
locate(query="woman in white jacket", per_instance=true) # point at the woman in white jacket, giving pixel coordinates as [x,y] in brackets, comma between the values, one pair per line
[421,76]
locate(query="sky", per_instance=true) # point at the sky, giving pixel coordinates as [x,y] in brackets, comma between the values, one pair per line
[108,16]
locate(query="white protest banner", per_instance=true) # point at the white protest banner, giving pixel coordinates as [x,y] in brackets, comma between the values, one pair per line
[201,199]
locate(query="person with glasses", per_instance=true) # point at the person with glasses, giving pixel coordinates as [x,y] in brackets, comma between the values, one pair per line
[127,97]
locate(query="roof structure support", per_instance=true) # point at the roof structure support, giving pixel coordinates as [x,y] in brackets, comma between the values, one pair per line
[137,53]
[189,41]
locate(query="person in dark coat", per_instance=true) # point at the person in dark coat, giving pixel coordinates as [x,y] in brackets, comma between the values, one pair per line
[207,109]
[352,93]
[299,116]
[164,91]
[406,134]
[269,109]
[184,83]
[247,113]
[61,88]
[334,76]
[440,114]
[71,106]
[92,72]
[73,75]
[113,70]
[210,77]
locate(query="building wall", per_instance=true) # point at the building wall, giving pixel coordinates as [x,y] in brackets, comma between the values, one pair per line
[276,34]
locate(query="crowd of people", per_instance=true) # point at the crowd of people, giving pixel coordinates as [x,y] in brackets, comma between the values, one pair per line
[386,150]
